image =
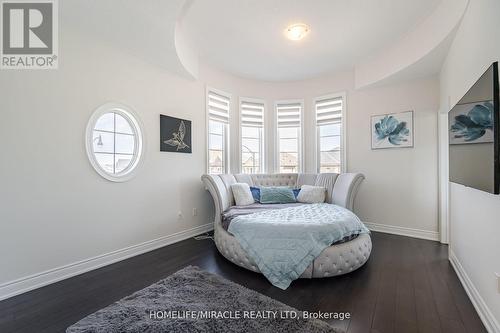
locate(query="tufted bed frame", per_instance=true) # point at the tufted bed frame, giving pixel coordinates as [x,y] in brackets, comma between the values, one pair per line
[341,190]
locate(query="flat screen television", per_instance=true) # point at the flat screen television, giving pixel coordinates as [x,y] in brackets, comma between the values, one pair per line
[474,135]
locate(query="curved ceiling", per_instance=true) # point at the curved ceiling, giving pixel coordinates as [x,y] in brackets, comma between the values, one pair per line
[147,29]
[246,38]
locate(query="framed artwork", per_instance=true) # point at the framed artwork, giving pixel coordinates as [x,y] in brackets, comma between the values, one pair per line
[175,135]
[471,123]
[392,130]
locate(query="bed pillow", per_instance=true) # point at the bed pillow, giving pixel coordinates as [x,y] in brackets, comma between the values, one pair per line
[311,194]
[242,194]
[255,193]
[276,195]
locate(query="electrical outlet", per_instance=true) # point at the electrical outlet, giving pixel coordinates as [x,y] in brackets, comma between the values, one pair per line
[195,211]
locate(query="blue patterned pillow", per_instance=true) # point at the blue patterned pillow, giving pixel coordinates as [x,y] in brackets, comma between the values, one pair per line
[255,193]
[276,195]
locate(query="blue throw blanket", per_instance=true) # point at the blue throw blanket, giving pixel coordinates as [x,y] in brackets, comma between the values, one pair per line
[283,242]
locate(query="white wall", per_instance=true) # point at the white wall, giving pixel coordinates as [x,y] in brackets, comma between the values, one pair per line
[474,215]
[401,184]
[56,210]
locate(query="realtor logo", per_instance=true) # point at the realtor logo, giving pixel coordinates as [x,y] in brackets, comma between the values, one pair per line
[29,34]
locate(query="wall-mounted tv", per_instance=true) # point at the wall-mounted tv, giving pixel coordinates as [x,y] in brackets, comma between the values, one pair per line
[474,135]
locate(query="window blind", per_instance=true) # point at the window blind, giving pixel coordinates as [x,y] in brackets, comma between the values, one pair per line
[328,111]
[289,114]
[218,107]
[252,114]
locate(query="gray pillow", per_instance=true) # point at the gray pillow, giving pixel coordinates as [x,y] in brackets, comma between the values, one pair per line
[242,195]
[311,194]
[276,195]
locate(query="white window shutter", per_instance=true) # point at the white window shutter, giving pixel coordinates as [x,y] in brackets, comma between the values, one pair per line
[289,115]
[218,107]
[328,111]
[252,114]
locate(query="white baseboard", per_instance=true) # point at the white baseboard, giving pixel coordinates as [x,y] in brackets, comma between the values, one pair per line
[489,321]
[22,285]
[403,231]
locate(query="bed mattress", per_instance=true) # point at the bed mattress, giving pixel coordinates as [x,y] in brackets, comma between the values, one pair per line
[235,211]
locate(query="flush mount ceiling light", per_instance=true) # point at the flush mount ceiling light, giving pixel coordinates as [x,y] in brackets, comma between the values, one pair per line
[297,31]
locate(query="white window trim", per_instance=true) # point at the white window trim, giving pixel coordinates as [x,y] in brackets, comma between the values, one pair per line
[227,131]
[263,135]
[276,134]
[343,136]
[140,143]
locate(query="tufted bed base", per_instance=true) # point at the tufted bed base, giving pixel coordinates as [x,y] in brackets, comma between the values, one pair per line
[335,260]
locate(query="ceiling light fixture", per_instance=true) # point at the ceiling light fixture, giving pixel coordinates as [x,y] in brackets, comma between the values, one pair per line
[297,31]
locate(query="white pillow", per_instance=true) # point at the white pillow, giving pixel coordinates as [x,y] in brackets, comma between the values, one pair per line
[242,194]
[311,194]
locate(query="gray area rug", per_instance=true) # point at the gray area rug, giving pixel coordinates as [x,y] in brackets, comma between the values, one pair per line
[197,301]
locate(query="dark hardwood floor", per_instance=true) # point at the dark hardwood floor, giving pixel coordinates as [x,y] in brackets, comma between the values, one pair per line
[407,286]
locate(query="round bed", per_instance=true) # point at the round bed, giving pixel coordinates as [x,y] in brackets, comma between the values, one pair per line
[341,190]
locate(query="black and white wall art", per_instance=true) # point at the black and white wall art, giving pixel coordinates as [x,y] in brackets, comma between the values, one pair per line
[175,134]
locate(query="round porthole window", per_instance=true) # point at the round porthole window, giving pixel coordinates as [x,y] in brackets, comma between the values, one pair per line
[114,142]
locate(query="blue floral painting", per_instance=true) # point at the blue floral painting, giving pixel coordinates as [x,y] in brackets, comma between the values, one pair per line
[471,123]
[392,130]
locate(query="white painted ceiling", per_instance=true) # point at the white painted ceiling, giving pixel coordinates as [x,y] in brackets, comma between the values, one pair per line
[245,37]
[145,28]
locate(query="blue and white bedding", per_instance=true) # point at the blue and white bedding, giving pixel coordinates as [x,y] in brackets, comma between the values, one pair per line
[235,211]
[284,242]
